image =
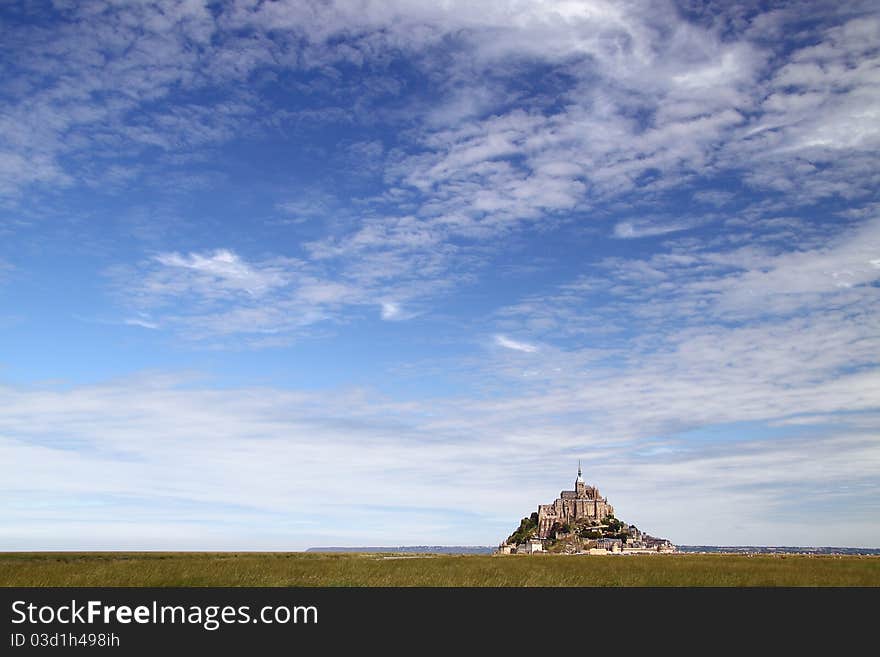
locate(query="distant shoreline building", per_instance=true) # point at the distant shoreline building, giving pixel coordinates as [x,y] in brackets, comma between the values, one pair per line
[582,503]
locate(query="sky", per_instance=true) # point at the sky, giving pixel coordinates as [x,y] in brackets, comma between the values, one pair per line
[287,274]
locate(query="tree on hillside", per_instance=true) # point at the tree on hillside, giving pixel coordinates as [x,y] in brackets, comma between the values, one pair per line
[613,524]
[527,528]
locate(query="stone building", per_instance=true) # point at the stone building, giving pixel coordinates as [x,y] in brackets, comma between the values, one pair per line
[531,546]
[582,503]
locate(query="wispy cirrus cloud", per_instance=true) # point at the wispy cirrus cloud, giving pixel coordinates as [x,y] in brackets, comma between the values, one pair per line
[220,294]
[738,334]
[638,94]
[222,270]
[206,295]
[636,102]
[140,321]
[392,311]
[131,444]
[515,345]
[636,228]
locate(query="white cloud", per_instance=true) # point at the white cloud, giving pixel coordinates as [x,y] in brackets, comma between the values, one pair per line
[714,197]
[639,101]
[796,279]
[468,469]
[635,229]
[692,86]
[226,269]
[392,311]
[143,323]
[515,345]
[218,295]
[720,336]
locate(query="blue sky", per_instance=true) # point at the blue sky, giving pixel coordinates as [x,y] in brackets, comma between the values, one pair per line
[281,274]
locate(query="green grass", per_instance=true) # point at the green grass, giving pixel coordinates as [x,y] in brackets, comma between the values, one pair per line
[316,569]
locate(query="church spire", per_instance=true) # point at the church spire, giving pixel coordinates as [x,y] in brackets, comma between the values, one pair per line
[579,467]
[579,479]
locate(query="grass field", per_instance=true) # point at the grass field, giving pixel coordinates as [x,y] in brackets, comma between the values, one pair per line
[316,569]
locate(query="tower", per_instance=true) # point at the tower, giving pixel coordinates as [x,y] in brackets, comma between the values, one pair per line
[580,488]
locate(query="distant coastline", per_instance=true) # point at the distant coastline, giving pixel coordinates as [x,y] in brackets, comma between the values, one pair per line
[689,549]
[410,549]
[769,549]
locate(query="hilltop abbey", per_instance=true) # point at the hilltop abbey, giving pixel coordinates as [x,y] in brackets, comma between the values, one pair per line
[580,521]
[582,503]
